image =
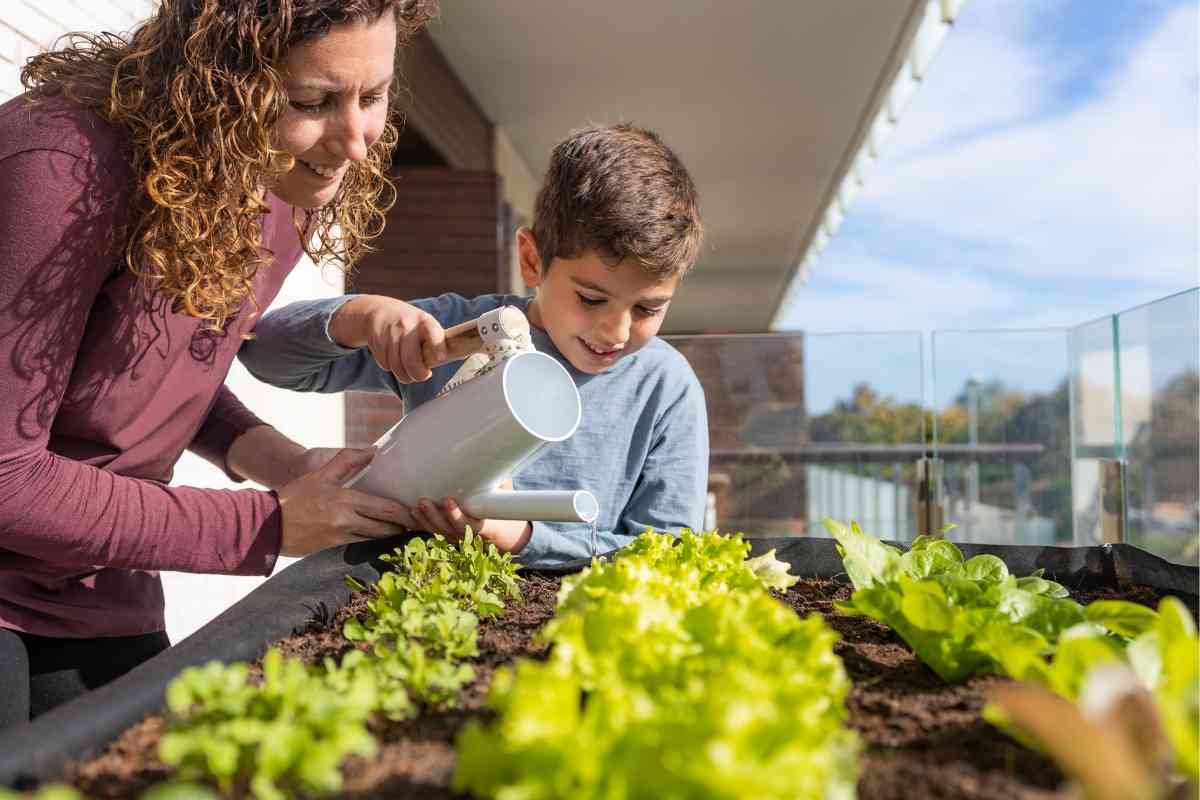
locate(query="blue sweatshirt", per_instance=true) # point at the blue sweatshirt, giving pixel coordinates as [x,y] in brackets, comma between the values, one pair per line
[641,447]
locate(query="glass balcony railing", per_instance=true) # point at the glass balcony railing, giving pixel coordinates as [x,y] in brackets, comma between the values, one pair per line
[1136,428]
[802,427]
[1002,434]
[1054,436]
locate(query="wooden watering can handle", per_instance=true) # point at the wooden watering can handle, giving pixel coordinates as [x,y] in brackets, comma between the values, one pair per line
[466,338]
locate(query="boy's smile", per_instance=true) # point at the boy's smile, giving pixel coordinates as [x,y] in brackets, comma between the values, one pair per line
[594,312]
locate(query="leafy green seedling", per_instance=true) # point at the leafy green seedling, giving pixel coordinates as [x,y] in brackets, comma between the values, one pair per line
[289,734]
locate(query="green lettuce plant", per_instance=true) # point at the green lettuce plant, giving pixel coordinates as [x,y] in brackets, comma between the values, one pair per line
[968,616]
[287,735]
[673,673]
[1166,657]
[1133,731]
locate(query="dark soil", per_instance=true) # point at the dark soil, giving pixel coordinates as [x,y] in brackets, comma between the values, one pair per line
[921,737]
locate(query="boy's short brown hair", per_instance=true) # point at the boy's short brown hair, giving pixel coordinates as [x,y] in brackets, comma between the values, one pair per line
[621,192]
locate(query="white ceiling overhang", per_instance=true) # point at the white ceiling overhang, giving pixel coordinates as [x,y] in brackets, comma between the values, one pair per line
[775,106]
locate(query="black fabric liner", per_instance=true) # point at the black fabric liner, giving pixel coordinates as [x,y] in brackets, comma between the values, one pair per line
[315,588]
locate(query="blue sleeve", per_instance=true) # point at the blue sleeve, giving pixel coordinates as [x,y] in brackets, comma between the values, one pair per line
[670,493]
[292,347]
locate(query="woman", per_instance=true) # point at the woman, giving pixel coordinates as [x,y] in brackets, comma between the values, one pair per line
[158,190]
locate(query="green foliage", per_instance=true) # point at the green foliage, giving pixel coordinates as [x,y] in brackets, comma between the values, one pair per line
[963,617]
[288,734]
[178,790]
[1005,415]
[1166,656]
[966,617]
[52,791]
[423,617]
[673,673]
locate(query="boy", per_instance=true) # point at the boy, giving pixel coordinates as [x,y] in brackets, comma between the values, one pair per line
[616,227]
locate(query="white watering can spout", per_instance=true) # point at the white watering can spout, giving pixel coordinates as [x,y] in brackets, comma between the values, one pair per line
[501,408]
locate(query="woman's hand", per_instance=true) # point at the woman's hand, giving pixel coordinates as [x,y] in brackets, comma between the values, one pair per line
[311,460]
[448,519]
[318,513]
[394,331]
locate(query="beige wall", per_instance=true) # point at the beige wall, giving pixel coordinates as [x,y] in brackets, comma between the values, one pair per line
[27,26]
[519,188]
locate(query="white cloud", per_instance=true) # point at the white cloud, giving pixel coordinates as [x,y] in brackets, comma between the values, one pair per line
[877,295]
[980,82]
[1051,211]
[1104,190]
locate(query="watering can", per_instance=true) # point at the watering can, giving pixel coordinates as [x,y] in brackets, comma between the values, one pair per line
[506,402]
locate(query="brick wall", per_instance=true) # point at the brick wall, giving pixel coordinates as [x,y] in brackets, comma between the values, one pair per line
[754,393]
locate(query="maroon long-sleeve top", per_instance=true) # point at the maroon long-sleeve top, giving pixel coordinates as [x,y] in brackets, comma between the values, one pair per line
[102,387]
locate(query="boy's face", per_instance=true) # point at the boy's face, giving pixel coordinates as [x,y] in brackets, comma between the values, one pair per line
[594,313]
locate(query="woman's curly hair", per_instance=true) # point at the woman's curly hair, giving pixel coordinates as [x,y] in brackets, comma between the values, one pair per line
[199,89]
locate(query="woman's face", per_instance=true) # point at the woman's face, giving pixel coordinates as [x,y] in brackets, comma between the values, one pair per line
[337,92]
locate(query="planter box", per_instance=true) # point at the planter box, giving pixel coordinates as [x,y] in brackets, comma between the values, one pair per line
[314,588]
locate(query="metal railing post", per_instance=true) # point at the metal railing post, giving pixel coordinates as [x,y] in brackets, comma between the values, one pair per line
[1114,503]
[931,515]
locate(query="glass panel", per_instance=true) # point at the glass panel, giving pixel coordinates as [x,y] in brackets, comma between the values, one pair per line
[1159,347]
[1002,429]
[1095,418]
[804,426]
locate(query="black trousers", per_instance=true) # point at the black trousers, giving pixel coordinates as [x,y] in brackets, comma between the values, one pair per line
[38,673]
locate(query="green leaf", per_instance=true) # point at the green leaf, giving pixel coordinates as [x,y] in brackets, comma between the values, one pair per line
[772,572]
[1121,617]
[985,568]
[935,557]
[1019,652]
[178,790]
[946,552]
[1178,691]
[354,630]
[1145,657]
[866,559]
[1074,658]
[959,590]
[57,791]
[1039,585]
[1176,621]
[928,611]
[921,542]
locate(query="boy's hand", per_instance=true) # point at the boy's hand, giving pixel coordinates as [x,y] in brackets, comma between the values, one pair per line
[394,331]
[448,519]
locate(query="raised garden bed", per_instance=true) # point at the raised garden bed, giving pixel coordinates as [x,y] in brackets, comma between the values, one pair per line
[921,737]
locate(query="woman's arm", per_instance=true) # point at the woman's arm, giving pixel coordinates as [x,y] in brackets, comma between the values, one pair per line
[58,247]
[236,441]
[267,457]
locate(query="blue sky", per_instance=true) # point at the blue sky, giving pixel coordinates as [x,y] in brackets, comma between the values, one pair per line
[1045,174]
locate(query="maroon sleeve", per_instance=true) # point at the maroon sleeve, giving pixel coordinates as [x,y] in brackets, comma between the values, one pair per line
[227,420]
[56,251]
